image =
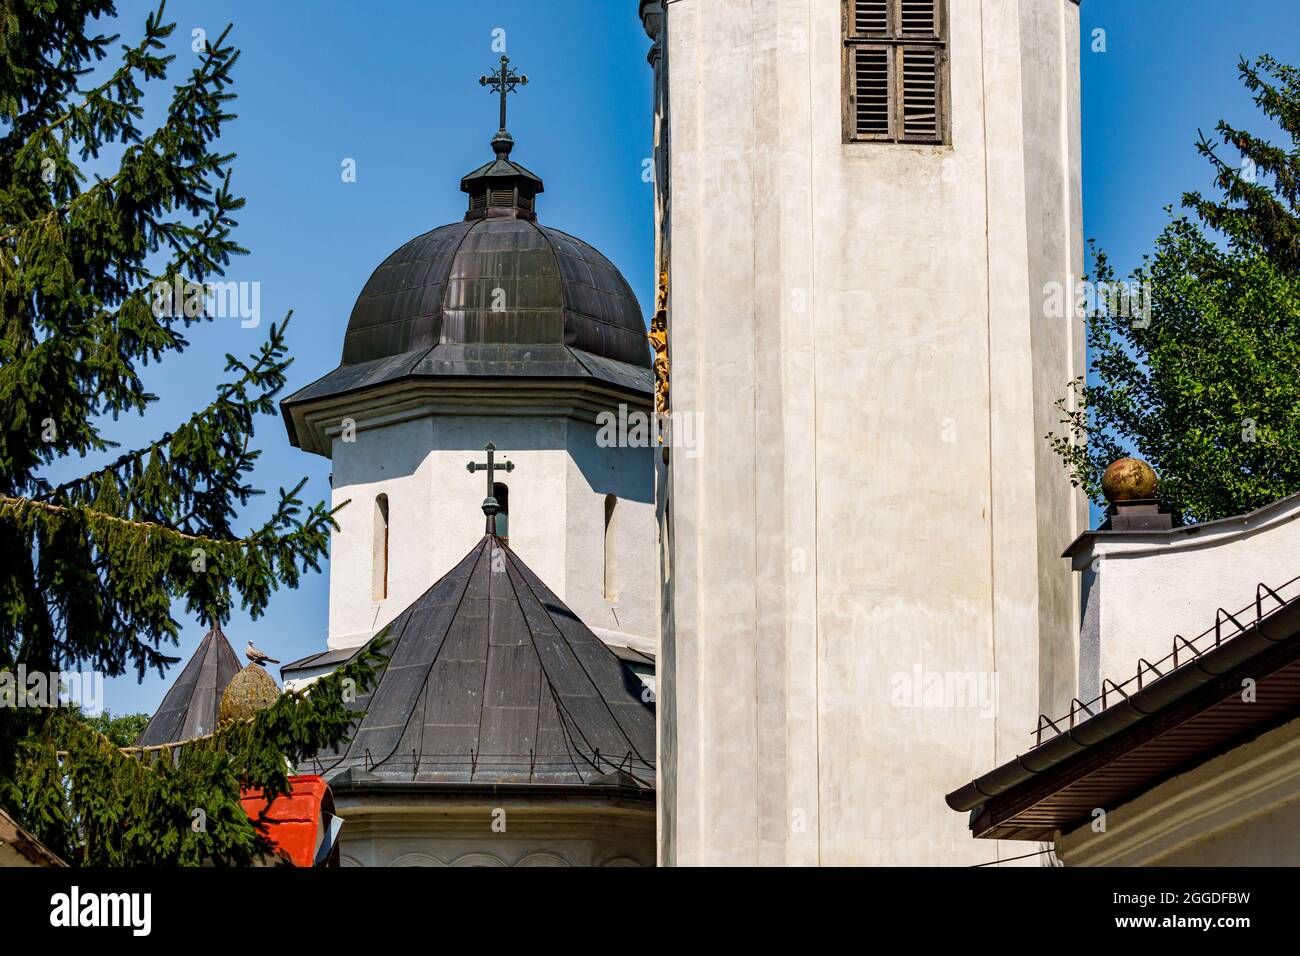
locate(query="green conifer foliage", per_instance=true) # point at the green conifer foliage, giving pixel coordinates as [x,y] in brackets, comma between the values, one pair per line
[93,566]
[1203,381]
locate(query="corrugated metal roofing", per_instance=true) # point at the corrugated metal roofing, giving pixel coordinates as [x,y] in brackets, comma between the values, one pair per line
[491,680]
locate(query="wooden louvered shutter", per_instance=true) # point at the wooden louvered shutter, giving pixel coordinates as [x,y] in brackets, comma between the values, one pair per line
[918,18]
[919,110]
[895,70]
[871,18]
[871,91]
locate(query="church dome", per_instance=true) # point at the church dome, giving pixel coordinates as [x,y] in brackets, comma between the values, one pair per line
[495,296]
[500,281]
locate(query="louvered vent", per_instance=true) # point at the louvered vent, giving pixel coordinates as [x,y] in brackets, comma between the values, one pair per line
[871,82]
[921,94]
[895,70]
[871,17]
[478,202]
[526,202]
[916,18]
[502,197]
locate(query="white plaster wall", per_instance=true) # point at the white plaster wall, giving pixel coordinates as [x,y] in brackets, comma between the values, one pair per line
[1149,587]
[1053,219]
[556,514]
[394,461]
[628,475]
[1266,839]
[859,328]
[537,832]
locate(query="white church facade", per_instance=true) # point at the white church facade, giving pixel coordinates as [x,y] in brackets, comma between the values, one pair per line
[513,723]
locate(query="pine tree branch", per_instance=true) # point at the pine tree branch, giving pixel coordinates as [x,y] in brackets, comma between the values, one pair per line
[252,374]
[171,745]
[132,61]
[17,507]
[213,69]
[105,330]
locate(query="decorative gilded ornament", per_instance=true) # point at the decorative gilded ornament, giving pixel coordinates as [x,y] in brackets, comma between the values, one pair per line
[1129,479]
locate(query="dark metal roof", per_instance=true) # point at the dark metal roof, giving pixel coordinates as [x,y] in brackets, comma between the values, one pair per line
[485,362]
[319,659]
[502,170]
[496,281]
[492,297]
[1176,722]
[632,656]
[190,707]
[492,681]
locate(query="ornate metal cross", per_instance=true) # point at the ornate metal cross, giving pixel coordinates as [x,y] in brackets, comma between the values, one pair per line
[490,504]
[503,81]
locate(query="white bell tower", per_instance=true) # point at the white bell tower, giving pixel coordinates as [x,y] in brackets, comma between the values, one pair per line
[864,205]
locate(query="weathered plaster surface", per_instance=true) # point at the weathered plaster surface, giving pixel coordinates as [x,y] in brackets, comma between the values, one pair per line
[860,330]
[500,831]
[1149,587]
[557,502]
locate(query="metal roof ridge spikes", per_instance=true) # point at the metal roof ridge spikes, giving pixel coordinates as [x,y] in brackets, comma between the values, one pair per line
[1194,693]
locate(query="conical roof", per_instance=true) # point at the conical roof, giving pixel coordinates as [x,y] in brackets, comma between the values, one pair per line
[190,708]
[491,680]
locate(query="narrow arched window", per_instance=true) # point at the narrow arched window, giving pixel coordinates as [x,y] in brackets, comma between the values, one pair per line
[611,564]
[502,494]
[379,550]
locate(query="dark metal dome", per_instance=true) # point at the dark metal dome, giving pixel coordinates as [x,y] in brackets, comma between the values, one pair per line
[496,281]
[496,296]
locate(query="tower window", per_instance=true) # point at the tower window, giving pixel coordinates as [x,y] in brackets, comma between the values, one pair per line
[379,551]
[611,566]
[502,494]
[895,75]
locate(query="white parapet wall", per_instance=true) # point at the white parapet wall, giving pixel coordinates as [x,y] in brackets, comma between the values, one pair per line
[1144,588]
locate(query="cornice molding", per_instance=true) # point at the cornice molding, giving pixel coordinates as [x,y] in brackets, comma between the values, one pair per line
[314,425]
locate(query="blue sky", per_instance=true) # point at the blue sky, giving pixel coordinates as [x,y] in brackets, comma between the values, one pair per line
[1169,68]
[393,86]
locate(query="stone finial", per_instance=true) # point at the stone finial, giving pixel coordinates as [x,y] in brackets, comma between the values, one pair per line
[1129,479]
[249,691]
